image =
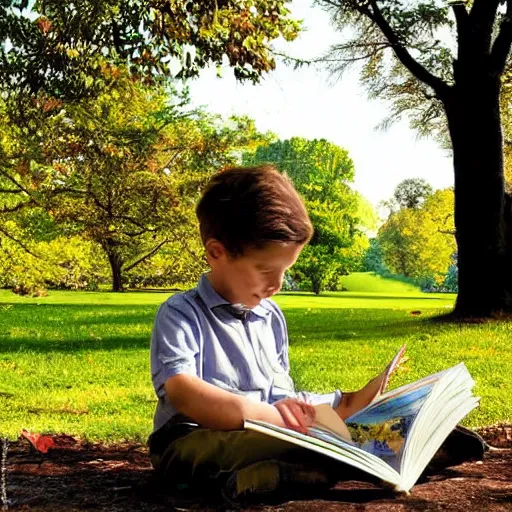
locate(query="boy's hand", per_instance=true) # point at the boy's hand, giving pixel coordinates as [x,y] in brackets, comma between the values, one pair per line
[357,400]
[296,414]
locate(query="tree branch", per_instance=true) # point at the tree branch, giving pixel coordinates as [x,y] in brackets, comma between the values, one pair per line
[15,182]
[482,17]
[461,16]
[133,234]
[146,256]
[19,206]
[63,190]
[461,19]
[19,242]
[418,70]
[501,47]
[127,218]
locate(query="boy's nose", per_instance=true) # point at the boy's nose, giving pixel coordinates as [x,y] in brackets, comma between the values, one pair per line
[275,286]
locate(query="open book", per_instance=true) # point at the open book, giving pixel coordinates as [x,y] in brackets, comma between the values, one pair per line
[395,436]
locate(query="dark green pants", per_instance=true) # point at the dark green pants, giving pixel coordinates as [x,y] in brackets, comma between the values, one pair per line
[190,456]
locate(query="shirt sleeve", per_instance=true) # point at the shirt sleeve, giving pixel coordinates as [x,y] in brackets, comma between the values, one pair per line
[333,398]
[174,345]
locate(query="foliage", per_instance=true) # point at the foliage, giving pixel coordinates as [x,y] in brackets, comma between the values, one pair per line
[124,168]
[506,116]
[176,265]
[76,264]
[321,172]
[72,50]
[82,138]
[412,193]
[383,36]
[64,262]
[419,243]
[319,169]
[373,260]
[368,220]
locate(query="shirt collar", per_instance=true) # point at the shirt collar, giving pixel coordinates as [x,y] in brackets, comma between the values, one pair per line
[212,299]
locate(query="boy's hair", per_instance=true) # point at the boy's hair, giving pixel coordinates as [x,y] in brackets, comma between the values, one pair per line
[248,207]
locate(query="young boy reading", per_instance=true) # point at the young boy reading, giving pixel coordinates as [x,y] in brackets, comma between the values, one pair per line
[219,352]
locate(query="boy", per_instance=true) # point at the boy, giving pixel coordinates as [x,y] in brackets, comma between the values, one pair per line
[219,352]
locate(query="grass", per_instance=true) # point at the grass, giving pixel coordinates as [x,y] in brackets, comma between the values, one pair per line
[78,362]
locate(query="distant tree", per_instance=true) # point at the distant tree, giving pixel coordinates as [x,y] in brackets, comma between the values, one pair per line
[412,193]
[419,242]
[319,169]
[442,63]
[321,172]
[373,260]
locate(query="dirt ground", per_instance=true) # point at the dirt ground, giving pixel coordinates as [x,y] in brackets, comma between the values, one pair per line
[75,476]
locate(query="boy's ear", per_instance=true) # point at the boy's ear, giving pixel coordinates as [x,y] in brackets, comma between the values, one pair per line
[214,249]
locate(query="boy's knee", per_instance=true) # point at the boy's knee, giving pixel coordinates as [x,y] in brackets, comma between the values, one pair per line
[275,480]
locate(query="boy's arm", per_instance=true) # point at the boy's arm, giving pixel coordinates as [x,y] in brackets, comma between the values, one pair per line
[351,402]
[357,400]
[215,408]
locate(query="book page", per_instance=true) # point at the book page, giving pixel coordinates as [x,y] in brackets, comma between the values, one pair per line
[382,428]
[385,440]
[332,446]
[392,366]
[394,437]
[328,420]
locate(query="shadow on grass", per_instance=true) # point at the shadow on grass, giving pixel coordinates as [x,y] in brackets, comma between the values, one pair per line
[363,295]
[71,328]
[42,346]
[368,325]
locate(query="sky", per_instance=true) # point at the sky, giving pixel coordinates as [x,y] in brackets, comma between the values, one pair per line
[310,103]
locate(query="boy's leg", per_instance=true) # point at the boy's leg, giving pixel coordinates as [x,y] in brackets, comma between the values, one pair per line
[256,463]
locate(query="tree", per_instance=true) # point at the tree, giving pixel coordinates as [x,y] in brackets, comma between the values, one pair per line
[321,172]
[411,193]
[124,168]
[54,55]
[69,50]
[408,59]
[419,242]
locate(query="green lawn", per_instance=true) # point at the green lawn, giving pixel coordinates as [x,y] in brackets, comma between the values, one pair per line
[78,362]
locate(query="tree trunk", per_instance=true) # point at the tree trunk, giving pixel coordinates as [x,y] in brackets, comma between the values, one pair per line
[482,231]
[316,286]
[115,266]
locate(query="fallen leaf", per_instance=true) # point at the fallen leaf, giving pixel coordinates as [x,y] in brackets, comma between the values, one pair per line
[39,442]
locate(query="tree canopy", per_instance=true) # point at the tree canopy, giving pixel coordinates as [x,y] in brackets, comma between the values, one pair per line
[419,242]
[322,173]
[412,193]
[70,50]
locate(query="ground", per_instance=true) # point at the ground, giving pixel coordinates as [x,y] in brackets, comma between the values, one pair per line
[77,477]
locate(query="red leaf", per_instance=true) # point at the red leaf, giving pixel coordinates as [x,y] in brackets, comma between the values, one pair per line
[40,443]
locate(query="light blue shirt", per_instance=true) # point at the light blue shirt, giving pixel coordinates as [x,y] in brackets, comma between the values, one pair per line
[196,333]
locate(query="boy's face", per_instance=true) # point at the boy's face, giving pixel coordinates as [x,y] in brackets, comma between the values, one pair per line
[253,276]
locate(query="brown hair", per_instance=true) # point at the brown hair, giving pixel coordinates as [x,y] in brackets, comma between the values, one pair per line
[244,207]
